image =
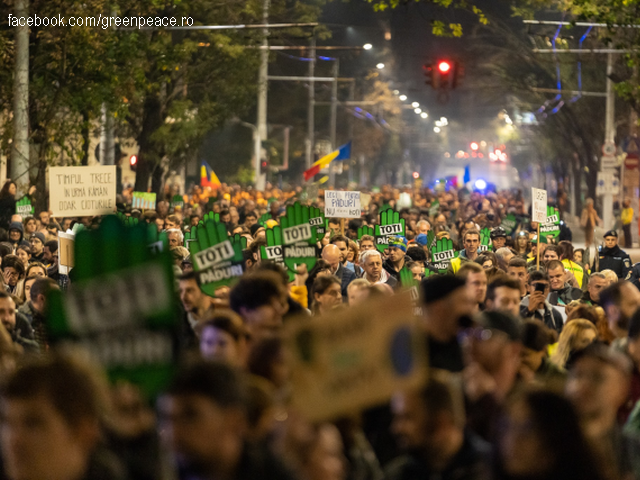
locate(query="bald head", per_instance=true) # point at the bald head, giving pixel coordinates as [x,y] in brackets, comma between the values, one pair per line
[331,254]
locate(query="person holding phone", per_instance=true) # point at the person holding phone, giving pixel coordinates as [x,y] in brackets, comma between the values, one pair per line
[535,304]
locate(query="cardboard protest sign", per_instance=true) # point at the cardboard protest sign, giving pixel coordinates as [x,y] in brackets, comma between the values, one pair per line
[24,207]
[342,204]
[390,224]
[144,200]
[350,360]
[66,257]
[539,205]
[509,223]
[318,220]
[121,307]
[442,254]
[550,230]
[217,260]
[485,240]
[177,201]
[298,238]
[82,191]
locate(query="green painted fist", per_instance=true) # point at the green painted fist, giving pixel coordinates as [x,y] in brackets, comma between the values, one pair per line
[298,238]
[264,218]
[551,229]
[24,207]
[509,223]
[485,240]
[177,201]
[218,261]
[211,217]
[365,230]
[189,237]
[431,239]
[273,250]
[318,220]
[443,252]
[128,221]
[390,224]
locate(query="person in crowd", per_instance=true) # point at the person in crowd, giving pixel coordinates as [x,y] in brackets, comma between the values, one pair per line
[50,253]
[196,304]
[597,282]
[612,257]
[223,338]
[589,220]
[36,268]
[16,324]
[358,292]
[204,423]
[517,270]
[37,242]
[620,301]
[562,293]
[23,252]
[27,308]
[327,294]
[535,304]
[342,243]
[522,247]
[261,301]
[498,238]
[7,203]
[503,294]
[250,219]
[598,385]
[535,365]
[16,234]
[550,253]
[576,335]
[38,295]
[374,272]
[471,242]
[332,255]
[632,349]
[504,256]
[566,251]
[13,275]
[172,222]
[396,257]
[30,226]
[354,251]
[430,427]
[626,217]
[487,260]
[542,438]
[367,242]
[175,237]
[476,281]
[447,308]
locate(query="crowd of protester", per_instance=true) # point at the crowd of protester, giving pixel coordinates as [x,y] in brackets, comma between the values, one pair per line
[533,352]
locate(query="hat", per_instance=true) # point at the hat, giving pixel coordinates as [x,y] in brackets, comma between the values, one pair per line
[610,233]
[498,232]
[603,353]
[39,236]
[503,322]
[421,239]
[254,228]
[16,226]
[437,287]
[398,241]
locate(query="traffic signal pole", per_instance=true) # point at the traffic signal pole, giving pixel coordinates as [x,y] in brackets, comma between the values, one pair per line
[261,132]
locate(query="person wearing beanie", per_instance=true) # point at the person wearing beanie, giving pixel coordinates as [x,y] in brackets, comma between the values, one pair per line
[37,241]
[397,251]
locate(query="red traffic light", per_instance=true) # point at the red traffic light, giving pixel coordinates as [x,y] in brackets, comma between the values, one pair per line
[444,67]
[133,160]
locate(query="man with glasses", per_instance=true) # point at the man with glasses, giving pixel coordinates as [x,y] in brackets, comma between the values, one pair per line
[535,304]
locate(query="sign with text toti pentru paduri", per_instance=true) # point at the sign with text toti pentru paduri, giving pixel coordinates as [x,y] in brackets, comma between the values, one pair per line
[82,191]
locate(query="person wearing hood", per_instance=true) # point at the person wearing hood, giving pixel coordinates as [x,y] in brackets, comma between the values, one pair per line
[16,234]
[535,304]
[612,257]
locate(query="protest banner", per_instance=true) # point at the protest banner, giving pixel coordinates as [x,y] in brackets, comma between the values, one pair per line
[339,204]
[121,308]
[353,359]
[82,191]
[390,224]
[144,200]
[66,257]
[538,212]
[24,208]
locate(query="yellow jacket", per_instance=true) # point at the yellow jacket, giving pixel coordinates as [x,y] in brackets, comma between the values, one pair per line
[576,269]
[627,216]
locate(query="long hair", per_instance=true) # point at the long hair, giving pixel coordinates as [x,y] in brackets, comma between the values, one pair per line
[567,343]
[554,419]
[320,285]
[4,193]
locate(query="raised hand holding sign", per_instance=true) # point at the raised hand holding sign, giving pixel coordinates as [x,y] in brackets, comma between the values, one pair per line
[390,224]
[485,240]
[298,238]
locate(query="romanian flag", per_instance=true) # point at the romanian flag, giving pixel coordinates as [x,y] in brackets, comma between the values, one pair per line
[208,177]
[342,153]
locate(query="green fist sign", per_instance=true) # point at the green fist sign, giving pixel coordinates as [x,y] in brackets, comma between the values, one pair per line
[390,224]
[442,254]
[551,228]
[210,217]
[121,307]
[365,230]
[298,238]
[318,220]
[485,240]
[177,201]
[273,251]
[217,260]
[24,207]
[509,223]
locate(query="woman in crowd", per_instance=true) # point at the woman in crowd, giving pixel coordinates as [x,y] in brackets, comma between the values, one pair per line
[352,256]
[36,268]
[224,338]
[321,268]
[327,294]
[576,335]
[541,439]
[589,220]
[522,245]
[7,203]
[13,274]
[30,226]
[23,252]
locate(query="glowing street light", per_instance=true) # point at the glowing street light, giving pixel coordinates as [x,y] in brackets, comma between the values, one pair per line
[436,129]
[396,92]
[418,111]
[474,146]
[380,66]
[403,97]
[415,104]
[367,46]
[424,115]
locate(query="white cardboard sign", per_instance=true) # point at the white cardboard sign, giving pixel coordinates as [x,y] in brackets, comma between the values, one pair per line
[539,205]
[82,191]
[342,204]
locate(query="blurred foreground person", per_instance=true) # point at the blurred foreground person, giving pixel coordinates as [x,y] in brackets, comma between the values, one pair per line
[52,410]
[430,428]
[204,423]
[540,438]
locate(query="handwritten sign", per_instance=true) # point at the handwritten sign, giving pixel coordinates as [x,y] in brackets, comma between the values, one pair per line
[342,204]
[66,256]
[539,205]
[82,191]
[144,200]
[350,360]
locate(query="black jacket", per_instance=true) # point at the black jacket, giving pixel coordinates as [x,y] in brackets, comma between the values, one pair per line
[346,276]
[551,318]
[617,260]
[388,266]
[565,295]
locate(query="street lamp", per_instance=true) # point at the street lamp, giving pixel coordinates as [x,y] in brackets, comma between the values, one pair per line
[402,97]
[424,115]
[367,46]
[436,129]
[418,111]
[380,66]
[415,104]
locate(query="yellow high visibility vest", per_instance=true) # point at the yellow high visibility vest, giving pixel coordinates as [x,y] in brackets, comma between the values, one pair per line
[577,270]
